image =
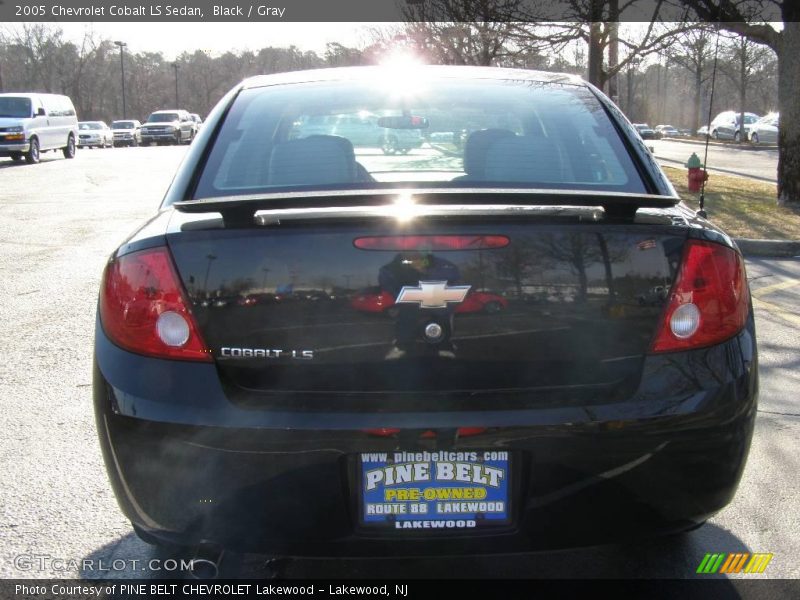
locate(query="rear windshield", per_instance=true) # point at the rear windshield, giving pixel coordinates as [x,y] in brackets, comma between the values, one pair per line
[15,108]
[445,132]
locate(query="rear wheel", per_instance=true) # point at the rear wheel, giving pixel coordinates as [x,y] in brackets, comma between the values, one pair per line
[69,149]
[737,137]
[32,155]
[715,134]
[754,138]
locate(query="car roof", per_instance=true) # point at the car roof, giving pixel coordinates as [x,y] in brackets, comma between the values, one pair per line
[31,95]
[432,71]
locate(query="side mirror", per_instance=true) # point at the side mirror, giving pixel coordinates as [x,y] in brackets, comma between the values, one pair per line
[40,112]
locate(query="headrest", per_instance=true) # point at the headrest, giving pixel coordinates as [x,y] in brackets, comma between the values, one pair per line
[524,159]
[477,147]
[317,159]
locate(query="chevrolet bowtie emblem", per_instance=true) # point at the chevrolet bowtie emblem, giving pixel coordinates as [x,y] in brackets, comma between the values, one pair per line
[432,294]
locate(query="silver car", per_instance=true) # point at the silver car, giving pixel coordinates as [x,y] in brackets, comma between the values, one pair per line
[127,132]
[95,134]
[765,130]
[726,126]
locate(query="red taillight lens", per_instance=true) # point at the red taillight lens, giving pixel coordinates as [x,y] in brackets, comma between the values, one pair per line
[143,308]
[431,242]
[709,301]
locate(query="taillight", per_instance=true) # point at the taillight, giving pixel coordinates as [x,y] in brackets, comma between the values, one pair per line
[709,300]
[144,309]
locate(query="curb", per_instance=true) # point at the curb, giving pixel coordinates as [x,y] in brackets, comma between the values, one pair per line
[700,141]
[773,248]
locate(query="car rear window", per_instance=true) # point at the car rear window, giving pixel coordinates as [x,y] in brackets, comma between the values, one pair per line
[445,132]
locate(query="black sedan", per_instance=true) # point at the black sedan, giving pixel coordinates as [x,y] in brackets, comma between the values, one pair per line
[306,427]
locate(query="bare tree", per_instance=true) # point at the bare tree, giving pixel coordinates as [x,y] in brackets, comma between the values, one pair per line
[467,32]
[693,50]
[744,58]
[749,18]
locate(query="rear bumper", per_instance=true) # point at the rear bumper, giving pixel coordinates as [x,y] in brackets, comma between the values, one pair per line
[187,465]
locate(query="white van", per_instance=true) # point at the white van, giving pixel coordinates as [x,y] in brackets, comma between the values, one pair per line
[34,123]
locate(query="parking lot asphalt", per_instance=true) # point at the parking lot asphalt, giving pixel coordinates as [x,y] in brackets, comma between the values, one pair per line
[60,220]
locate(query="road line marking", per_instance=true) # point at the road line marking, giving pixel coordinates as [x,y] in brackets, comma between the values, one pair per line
[776,310]
[775,287]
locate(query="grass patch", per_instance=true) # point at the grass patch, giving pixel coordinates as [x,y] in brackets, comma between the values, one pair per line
[743,207]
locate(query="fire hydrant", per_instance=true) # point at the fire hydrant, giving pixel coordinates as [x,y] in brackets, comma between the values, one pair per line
[697,174]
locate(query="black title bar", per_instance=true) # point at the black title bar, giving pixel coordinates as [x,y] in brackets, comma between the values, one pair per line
[343,11]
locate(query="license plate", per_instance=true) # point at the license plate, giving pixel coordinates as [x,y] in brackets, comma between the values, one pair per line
[435,490]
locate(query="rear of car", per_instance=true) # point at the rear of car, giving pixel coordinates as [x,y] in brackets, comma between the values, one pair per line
[765,130]
[571,358]
[663,131]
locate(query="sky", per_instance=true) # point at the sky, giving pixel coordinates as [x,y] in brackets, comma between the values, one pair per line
[174,38]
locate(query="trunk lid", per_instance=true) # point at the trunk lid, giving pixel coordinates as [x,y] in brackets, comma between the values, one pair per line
[300,312]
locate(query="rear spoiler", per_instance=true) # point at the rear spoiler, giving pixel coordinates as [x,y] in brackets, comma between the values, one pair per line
[240,210]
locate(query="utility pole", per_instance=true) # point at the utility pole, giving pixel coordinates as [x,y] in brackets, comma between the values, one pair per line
[175,66]
[121,46]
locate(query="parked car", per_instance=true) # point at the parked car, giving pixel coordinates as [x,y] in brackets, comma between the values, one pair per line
[363,130]
[168,127]
[34,123]
[198,122]
[663,131]
[765,130]
[127,132]
[645,131]
[95,134]
[703,131]
[726,125]
[295,428]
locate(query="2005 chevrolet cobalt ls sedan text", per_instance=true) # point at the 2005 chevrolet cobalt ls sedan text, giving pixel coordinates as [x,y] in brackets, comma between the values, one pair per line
[242,401]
